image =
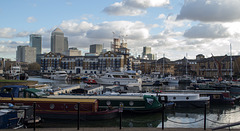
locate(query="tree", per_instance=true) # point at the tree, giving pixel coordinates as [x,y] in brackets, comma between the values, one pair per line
[34,67]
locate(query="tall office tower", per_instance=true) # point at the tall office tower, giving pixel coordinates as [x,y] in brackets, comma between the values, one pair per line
[96,48]
[65,43]
[36,41]
[57,41]
[146,50]
[26,54]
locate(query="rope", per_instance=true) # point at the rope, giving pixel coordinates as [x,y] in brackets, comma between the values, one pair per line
[216,122]
[185,122]
[233,112]
[140,121]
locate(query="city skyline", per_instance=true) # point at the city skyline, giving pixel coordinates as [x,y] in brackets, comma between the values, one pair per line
[171,27]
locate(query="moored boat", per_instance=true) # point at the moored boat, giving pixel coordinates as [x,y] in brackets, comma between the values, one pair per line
[171,80]
[117,77]
[180,99]
[59,75]
[90,81]
[64,108]
[16,73]
[16,116]
[217,97]
[136,104]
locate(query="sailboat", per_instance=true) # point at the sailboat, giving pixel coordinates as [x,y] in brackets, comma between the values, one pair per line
[186,79]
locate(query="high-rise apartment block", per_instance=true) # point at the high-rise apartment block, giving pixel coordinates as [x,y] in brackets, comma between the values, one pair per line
[26,54]
[59,43]
[96,48]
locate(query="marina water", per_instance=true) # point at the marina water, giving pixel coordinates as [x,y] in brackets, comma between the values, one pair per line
[217,115]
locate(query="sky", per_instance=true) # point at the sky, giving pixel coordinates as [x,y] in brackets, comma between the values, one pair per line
[176,28]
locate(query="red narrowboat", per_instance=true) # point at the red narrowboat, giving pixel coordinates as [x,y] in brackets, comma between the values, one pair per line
[64,108]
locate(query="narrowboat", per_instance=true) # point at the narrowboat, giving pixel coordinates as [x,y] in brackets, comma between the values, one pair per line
[64,108]
[180,99]
[135,104]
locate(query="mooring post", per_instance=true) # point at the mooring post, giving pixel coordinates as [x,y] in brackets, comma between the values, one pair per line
[163,116]
[78,125]
[34,116]
[120,124]
[205,115]
[120,111]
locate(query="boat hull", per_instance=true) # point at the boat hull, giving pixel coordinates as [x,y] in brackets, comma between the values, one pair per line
[65,108]
[113,81]
[89,116]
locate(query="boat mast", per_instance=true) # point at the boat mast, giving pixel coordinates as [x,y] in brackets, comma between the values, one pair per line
[186,64]
[231,62]
[163,63]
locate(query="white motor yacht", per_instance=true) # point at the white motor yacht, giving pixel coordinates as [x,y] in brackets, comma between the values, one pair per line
[118,78]
[59,75]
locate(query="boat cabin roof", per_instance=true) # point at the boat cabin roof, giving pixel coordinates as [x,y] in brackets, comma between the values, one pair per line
[140,98]
[47,100]
[11,90]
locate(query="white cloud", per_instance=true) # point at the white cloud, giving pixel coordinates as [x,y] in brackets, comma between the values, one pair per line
[133,7]
[161,16]
[210,10]
[7,32]
[9,48]
[23,34]
[211,31]
[133,30]
[73,27]
[31,19]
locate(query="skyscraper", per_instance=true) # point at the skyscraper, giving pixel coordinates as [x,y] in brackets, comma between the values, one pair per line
[146,50]
[57,41]
[65,44]
[36,41]
[96,48]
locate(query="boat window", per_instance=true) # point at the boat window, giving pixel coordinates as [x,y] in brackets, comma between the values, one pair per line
[125,76]
[203,95]
[117,76]
[108,103]
[51,106]
[216,96]
[76,106]
[174,97]
[131,103]
[187,98]
[28,95]
[20,89]
[20,95]
[33,95]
